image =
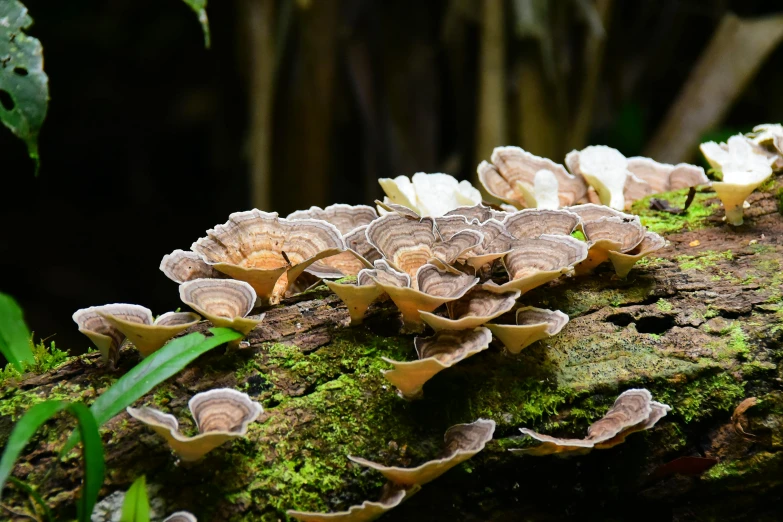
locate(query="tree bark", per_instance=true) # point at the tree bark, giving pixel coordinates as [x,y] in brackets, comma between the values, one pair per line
[698,324]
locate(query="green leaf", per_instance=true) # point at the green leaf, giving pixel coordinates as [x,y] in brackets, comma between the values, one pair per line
[152,371]
[200,8]
[14,335]
[24,86]
[91,439]
[136,506]
[27,488]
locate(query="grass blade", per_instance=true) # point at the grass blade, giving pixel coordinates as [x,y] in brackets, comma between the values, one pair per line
[14,335]
[93,459]
[151,371]
[27,488]
[136,506]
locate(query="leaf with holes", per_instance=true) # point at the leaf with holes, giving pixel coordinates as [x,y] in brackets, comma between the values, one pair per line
[24,86]
[200,8]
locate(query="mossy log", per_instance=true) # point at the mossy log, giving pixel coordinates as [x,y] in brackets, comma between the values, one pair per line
[700,325]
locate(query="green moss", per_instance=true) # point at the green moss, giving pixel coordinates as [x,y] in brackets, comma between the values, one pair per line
[702,207]
[762,469]
[46,359]
[703,260]
[702,397]
[16,402]
[664,306]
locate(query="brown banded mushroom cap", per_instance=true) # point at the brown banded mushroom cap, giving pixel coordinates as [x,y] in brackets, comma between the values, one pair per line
[634,410]
[533,324]
[104,334]
[181,266]
[462,442]
[744,168]
[221,415]
[588,212]
[480,305]
[531,223]
[181,516]
[386,206]
[480,213]
[430,195]
[606,170]
[360,295]
[624,261]
[345,217]
[494,245]
[392,496]
[148,337]
[408,244]
[437,353]
[663,177]
[610,234]
[435,287]
[224,302]
[266,251]
[537,261]
[522,179]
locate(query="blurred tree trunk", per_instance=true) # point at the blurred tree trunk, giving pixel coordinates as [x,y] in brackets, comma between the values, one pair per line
[491,123]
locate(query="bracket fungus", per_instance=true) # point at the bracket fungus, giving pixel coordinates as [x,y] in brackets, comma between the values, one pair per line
[611,234]
[351,221]
[634,410]
[392,496]
[266,251]
[429,195]
[479,212]
[430,288]
[462,442]
[744,168]
[536,261]
[522,179]
[148,336]
[224,302]
[531,223]
[661,177]
[181,266]
[606,170]
[769,138]
[437,353]
[408,244]
[360,295]
[624,261]
[104,334]
[221,415]
[480,305]
[181,516]
[495,241]
[533,324]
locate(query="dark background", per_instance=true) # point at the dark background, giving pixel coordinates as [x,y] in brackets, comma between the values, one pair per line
[144,146]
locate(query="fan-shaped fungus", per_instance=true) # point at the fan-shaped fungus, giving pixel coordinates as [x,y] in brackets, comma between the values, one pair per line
[392,496]
[533,324]
[480,305]
[149,336]
[225,302]
[104,334]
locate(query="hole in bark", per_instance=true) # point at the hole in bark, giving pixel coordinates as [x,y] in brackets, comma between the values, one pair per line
[6,101]
[621,319]
[21,71]
[654,324]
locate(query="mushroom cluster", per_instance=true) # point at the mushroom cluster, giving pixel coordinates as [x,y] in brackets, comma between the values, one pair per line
[599,174]
[634,410]
[461,443]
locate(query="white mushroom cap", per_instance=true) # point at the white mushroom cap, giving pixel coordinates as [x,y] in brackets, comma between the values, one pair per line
[393,495]
[225,302]
[103,333]
[462,442]
[605,169]
[221,415]
[430,195]
[439,352]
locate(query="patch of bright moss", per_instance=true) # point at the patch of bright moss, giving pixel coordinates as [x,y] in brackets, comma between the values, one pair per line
[664,306]
[46,359]
[16,402]
[704,260]
[702,397]
[666,223]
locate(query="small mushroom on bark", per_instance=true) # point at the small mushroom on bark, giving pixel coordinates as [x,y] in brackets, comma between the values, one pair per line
[181,266]
[360,295]
[429,195]
[392,496]
[221,415]
[266,251]
[531,223]
[525,180]
[462,442]
[181,516]
[610,234]
[662,177]
[769,138]
[480,305]
[533,324]
[148,336]
[744,168]
[408,244]
[624,261]
[634,410]
[103,333]
[433,287]
[537,261]
[437,353]
[224,302]
[606,170]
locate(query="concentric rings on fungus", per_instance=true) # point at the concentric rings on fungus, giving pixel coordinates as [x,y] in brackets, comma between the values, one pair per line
[149,336]
[480,305]
[104,334]
[537,261]
[224,302]
[181,266]
[392,496]
[532,324]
